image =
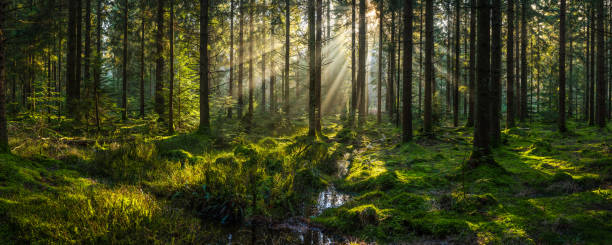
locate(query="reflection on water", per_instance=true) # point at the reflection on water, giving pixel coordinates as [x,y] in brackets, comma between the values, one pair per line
[295,230]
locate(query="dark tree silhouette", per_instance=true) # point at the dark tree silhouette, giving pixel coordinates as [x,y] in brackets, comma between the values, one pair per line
[407,81]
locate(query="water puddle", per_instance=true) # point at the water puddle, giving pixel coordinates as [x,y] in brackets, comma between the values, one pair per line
[330,198]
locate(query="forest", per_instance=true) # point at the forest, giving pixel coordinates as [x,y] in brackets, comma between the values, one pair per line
[305,122]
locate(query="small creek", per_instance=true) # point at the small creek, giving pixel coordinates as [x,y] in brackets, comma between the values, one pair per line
[296,230]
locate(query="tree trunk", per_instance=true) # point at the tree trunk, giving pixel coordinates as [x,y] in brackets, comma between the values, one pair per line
[171,84]
[362,63]
[481,154]
[592,70]
[471,88]
[457,63]
[510,67]
[71,92]
[429,69]
[319,62]
[353,106]
[142,63]
[391,78]
[562,34]
[86,75]
[231,64]
[570,98]
[312,127]
[524,111]
[380,63]
[159,68]
[495,89]
[240,59]
[407,70]
[78,58]
[272,75]
[287,48]
[125,62]
[4,146]
[98,65]
[204,110]
[251,85]
[263,60]
[601,66]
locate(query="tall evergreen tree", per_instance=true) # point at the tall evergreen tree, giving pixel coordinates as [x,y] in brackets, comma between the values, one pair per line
[204,68]
[159,67]
[496,72]
[429,69]
[562,127]
[124,108]
[407,69]
[510,66]
[4,146]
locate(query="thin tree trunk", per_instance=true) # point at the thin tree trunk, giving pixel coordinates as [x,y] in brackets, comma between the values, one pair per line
[159,68]
[240,59]
[312,131]
[86,70]
[353,106]
[380,63]
[407,86]
[319,62]
[457,64]
[429,69]
[4,146]
[496,56]
[142,63]
[272,75]
[391,78]
[287,48]
[251,85]
[362,63]
[570,97]
[601,66]
[524,111]
[592,70]
[98,65]
[125,62]
[562,127]
[171,84]
[204,68]
[231,65]
[263,60]
[471,88]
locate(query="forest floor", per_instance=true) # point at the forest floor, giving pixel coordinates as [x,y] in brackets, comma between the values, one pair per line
[133,186]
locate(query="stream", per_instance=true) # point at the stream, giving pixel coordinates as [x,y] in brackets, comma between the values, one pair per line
[296,230]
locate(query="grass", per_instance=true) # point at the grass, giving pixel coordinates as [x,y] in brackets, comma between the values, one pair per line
[138,187]
[549,188]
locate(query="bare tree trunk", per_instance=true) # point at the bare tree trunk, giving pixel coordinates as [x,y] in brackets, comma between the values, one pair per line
[287,48]
[362,63]
[4,146]
[98,65]
[510,67]
[391,90]
[471,85]
[319,62]
[159,68]
[312,127]
[231,65]
[429,69]
[601,66]
[457,63]
[142,63]
[250,58]
[562,127]
[125,62]
[481,154]
[407,86]
[353,106]
[524,111]
[495,88]
[272,75]
[204,69]
[263,59]
[171,84]
[240,59]
[592,70]
[86,75]
[380,63]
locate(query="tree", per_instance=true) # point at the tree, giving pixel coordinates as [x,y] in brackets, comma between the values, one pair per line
[72,85]
[231,58]
[380,63]
[263,59]
[391,77]
[159,67]
[472,65]
[251,85]
[240,58]
[523,101]
[510,67]
[429,69]
[457,64]
[125,62]
[312,127]
[495,89]
[318,64]
[4,146]
[601,114]
[353,106]
[98,64]
[86,75]
[287,48]
[171,83]
[204,69]
[562,127]
[481,153]
[407,82]
[142,62]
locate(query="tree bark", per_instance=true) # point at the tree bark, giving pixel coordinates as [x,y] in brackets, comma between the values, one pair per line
[263,59]
[204,68]
[250,58]
[380,63]
[159,68]
[240,59]
[87,67]
[429,69]
[125,62]
[407,70]
[312,127]
[142,63]
[472,73]
[601,66]
[4,146]
[353,106]
[481,153]
[496,56]
[561,121]
[391,78]
[171,83]
[510,67]
[231,64]
[524,110]
[457,63]
[287,48]
[98,65]
[319,63]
